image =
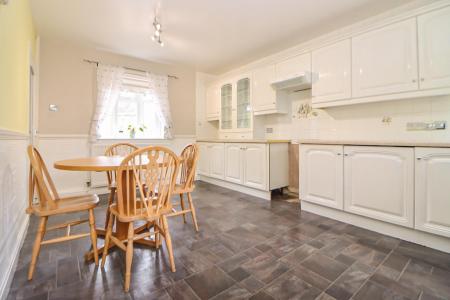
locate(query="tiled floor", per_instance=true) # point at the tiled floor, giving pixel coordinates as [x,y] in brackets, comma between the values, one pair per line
[246,248]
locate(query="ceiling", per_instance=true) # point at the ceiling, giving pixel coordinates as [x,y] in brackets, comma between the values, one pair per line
[210,35]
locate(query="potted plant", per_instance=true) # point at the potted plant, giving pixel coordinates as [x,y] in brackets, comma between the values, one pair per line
[132,130]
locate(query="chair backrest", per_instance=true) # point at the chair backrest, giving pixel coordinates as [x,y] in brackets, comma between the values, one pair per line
[40,178]
[189,157]
[121,149]
[145,181]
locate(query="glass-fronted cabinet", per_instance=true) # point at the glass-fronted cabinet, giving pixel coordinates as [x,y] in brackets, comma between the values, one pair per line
[243,103]
[226,96]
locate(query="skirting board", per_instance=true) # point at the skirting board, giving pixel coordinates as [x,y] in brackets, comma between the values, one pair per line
[236,187]
[4,286]
[404,233]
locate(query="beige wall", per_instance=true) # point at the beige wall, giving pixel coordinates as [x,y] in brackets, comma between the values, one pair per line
[69,82]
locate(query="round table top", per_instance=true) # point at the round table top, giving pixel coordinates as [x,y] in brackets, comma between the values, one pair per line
[94,163]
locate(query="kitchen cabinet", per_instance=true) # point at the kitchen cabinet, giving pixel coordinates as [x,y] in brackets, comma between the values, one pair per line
[226,106]
[379,183]
[432,190]
[216,157]
[203,160]
[233,163]
[254,165]
[211,160]
[255,168]
[331,67]
[293,67]
[212,103]
[236,114]
[384,61]
[265,99]
[434,49]
[321,175]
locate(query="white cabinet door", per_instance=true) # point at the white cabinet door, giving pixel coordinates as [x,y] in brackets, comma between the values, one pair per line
[255,160]
[217,162]
[293,67]
[203,159]
[432,197]
[379,183]
[331,67]
[233,163]
[264,96]
[384,61]
[321,174]
[434,49]
[213,102]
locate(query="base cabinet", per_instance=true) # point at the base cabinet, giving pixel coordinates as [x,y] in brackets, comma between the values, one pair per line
[246,164]
[321,175]
[432,190]
[211,160]
[255,172]
[379,183]
[376,182]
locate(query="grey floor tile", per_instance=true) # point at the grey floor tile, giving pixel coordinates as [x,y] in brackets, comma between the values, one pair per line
[210,282]
[324,266]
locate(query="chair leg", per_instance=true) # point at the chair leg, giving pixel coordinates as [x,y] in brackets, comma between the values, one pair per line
[129,256]
[37,245]
[168,242]
[157,235]
[182,207]
[93,235]
[192,208]
[107,239]
[111,196]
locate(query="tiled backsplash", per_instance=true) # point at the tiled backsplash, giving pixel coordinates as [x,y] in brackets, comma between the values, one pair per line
[363,121]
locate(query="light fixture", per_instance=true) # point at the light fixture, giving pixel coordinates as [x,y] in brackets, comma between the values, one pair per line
[158,31]
[4,2]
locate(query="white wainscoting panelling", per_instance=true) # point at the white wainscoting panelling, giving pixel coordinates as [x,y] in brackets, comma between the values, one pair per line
[13,202]
[98,179]
[60,147]
[54,147]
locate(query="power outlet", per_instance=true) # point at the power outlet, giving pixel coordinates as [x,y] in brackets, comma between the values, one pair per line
[269,130]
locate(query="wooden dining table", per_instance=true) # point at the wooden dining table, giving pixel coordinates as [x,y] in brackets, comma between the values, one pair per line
[103,164]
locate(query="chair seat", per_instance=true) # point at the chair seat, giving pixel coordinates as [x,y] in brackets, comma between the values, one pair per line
[139,214]
[181,189]
[67,205]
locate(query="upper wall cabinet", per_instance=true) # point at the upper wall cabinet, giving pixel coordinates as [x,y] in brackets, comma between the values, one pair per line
[226,106]
[235,105]
[293,67]
[384,61]
[434,49]
[331,72]
[265,99]
[212,103]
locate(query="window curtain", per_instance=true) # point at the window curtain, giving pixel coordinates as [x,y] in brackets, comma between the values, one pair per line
[158,85]
[109,85]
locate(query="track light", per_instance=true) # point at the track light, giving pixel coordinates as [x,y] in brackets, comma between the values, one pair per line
[158,31]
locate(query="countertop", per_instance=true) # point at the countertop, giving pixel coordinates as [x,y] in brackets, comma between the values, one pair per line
[255,141]
[375,143]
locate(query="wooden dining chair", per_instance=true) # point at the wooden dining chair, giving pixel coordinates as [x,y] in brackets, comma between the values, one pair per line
[145,182]
[49,203]
[188,158]
[120,149]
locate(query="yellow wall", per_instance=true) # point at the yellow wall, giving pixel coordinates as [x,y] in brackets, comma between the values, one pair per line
[17,35]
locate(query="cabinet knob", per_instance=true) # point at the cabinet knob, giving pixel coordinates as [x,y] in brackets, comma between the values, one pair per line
[414,81]
[419,158]
[422,79]
[339,154]
[345,154]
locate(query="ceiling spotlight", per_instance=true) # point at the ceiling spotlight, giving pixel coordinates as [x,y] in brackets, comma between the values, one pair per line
[158,32]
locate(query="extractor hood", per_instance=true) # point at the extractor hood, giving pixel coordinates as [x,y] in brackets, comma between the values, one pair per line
[298,83]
